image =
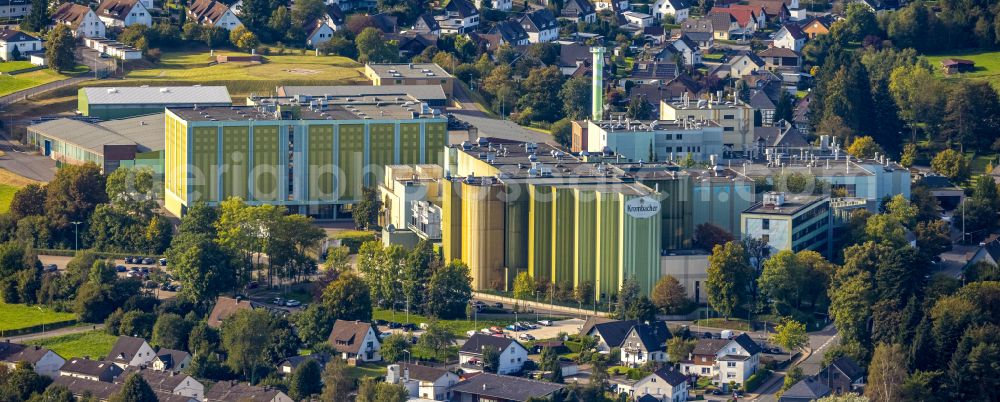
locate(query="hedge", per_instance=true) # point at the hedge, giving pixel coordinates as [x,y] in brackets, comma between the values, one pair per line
[98,254]
[353,239]
[756,379]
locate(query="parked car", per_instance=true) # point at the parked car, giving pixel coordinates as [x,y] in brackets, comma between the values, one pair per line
[148,261]
[253,285]
[496,330]
[498,305]
[380,322]
[393,325]
[470,333]
[547,323]
[163,262]
[51,268]
[292,303]
[526,337]
[278,301]
[150,285]
[165,286]
[707,335]
[410,326]
[121,268]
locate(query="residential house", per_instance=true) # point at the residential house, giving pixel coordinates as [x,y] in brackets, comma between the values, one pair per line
[317,32]
[512,353]
[226,307]
[422,381]
[689,51]
[335,18]
[168,382]
[460,16]
[652,72]
[679,9]
[81,19]
[225,391]
[426,24]
[213,13]
[800,116]
[843,375]
[10,9]
[413,43]
[790,36]
[24,43]
[508,32]
[724,25]
[288,366]
[744,63]
[817,26]
[776,10]
[42,360]
[578,11]
[764,105]
[123,13]
[385,22]
[760,17]
[355,340]
[541,26]
[609,334]
[84,388]
[746,21]
[954,66]
[645,342]
[703,40]
[93,370]
[806,390]
[614,5]
[572,57]
[665,384]
[667,92]
[781,136]
[780,58]
[131,351]
[724,360]
[501,5]
[171,360]
[501,388]
[637,19]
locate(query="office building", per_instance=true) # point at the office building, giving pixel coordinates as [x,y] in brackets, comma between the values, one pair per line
[736,119]
[656,140]
[312,157]
[791,222]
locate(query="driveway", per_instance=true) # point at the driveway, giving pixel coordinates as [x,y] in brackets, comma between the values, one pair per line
[24,162]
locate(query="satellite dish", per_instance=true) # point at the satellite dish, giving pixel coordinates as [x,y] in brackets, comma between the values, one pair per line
[391,228]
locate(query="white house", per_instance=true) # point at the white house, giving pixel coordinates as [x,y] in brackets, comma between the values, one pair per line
[168,382]
[355,340]
[12,39]
[665,384]
[123,13]
[645,343]
[81,19]
[745,64]
[131,351]
[14,8]
[214,13]
[688,49]
[724,360]
[638,19]
[578,11]
[679,9]
[422,381]
[43,360]
[790,36]
[317,33]
[334,17]
[541,26]
[93,370]
[619,5]
[501,5]
[512,353]
[170,360]
[460,16]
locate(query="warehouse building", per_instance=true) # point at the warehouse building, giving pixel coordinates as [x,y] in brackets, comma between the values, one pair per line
[121,102]
[432,95]
[393,74]
[136,141]
[313,158]
[513,207]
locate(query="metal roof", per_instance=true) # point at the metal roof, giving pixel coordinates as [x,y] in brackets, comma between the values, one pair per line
[157,95]
[420,92]
[144,131]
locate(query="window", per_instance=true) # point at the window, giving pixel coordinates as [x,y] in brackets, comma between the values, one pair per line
[680,137]
[730,375]
[728,116]
[730,364]
[765,238]
[765,224]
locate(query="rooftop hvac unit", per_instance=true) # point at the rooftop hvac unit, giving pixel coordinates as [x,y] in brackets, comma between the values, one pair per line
[164,90]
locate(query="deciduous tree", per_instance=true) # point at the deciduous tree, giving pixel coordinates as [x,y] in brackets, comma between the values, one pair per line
[449,291]
[669,295]
[348,298]
[729,276]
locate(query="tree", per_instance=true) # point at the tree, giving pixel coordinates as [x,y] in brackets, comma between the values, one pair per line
[137,323]
[280,20]
[848,397]
[524,286]
[245,338]
[584,292]
[792,280]
[437,338]
[171,331]
[348,298]
[372,390]
[366,210]
[628,296]
[337,381]
[950,163]
[28,201]
[255,14]
[669,295]
[708,235]
[886,373]
[729,275]
[449,290]
[372,48]
[243,38]
[305,381]
[72,196]
[54,393]
[864,147]
[491,359]
[794,375]
[135,389]
[791,335]
[562,132]
[540,94]
[982,271]
[575,94]
[393,347]
[639,107]
[933,238]
[679,348]
[970,114]
[59,48]
[19,383]
[37,18]
[313,324]
[203,268]
[307,11]
[918,95]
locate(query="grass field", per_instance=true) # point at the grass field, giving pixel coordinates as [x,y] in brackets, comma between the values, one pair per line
[91,343]
[9,66]
[13,83]
[16,316]
[366,370]
[196,66]
[987,66]
[6,196]
[9,184]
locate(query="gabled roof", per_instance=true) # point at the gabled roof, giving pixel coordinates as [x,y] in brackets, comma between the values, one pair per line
[126,347]
[687,42]
[16,352]
[692,25]
[570,54]
[849,367]
[748,344]
[743,16]
[721,21]
[772,8]
[100,390]
[661,70]
[794,30]
[698,36]
[225,307]
[826,21]
[749,55]
[678,4]
[311,29]
[591,322]
[757,9]
[89,367]
[464,8]
[208,10]
[116,9]
[336,13]
[540,20]
[671,376]
[164,381]
[428,21]
[652,335]
[347,336]
[613,333]
[296,361]
[478,342]
[760,100]
[576,9]
[171,357]
[422,373]
[385,22]
[505,387]
[774,51]
[510,31]
[70,13]
[807,388]
[13,35]
[709,346]
[243,392]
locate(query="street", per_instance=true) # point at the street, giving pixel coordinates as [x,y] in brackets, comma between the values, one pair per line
[24,162]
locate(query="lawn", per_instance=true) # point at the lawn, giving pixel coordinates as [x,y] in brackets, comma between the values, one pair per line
[13,83]
[17,316]
[95,344]
[196,66]
[721,323]
[9,184]
[9,66]
[366,370]
[987,65]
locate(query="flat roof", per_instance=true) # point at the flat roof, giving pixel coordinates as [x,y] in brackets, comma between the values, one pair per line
[703,104]
[793,204]
[157,95]
[146,132]
[335,108]
[420,92]
[626,125]
[411,70]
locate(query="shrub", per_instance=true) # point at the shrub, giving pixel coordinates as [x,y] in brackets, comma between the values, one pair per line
[353,239]
[756,379]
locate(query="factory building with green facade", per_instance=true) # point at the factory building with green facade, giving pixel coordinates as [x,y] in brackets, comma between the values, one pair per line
[121,102]
[312,156]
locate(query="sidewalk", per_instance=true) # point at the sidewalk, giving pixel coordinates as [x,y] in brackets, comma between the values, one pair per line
[57,332]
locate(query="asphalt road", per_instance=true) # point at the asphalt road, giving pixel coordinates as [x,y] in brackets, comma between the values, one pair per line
[490,127]
[22,161]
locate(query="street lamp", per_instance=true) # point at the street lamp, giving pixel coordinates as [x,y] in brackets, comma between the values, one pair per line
[76,234]
[407,356]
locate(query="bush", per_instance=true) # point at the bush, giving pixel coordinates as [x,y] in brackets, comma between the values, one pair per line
[353,239]
[756,379]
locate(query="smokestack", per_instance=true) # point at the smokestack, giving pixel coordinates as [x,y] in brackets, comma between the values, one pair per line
[597,90]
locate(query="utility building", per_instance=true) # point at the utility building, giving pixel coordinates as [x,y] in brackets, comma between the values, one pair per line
[121,102]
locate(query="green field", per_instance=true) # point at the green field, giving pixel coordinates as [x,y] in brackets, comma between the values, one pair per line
[9,66]
[95,344]
[9,184]
[366,370]
[13,83]
[987,66]
[181,66]
[6,196]
[17,316]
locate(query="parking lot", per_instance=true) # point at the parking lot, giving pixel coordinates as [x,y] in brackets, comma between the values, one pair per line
[61,261]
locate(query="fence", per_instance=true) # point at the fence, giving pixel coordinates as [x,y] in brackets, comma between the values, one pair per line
[537,305]
[36,328]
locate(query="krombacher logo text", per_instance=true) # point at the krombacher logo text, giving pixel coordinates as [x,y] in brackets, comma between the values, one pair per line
[642,207]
